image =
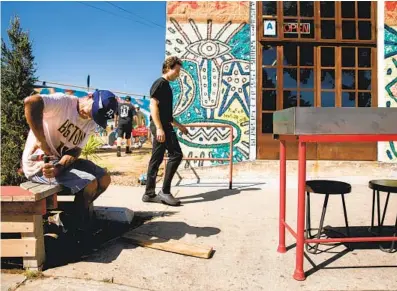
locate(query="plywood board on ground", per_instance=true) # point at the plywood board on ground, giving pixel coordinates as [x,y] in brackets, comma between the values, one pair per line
[168,245]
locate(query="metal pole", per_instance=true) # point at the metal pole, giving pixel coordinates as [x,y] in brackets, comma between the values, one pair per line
[283,172]
[300,242]
[231,159]
[84,88]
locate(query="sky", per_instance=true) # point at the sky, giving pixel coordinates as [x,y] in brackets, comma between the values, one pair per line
[121,51]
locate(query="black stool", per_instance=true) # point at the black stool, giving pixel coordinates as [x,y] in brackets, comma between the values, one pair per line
[326,187]
[388,186]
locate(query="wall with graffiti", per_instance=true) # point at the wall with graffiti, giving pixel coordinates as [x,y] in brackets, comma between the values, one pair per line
[390,71]
[142,103]
[213,41]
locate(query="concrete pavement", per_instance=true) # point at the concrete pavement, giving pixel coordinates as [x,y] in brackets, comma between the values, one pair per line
[11,281]
[242,226]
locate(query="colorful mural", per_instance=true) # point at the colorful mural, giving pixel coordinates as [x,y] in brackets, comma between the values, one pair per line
[213,41]
[143,103]
[391,67]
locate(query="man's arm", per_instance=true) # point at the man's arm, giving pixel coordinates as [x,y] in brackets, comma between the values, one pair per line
[70,157]
[51,171]
[116,120]
[34,106]
[155,112]
[179,126]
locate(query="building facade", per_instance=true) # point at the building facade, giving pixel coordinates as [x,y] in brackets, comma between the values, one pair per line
[245,60]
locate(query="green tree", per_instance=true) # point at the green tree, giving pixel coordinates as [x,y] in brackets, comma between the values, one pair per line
[17,82]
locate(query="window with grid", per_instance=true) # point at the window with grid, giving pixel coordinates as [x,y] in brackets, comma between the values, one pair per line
[356,77]
[342,21]
[298,75]
[328,67]
[269,86]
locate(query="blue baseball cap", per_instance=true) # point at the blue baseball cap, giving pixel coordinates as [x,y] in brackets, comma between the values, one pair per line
[104,106]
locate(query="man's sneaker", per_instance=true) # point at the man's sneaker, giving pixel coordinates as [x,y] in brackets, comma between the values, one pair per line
[150,198]
[128,151]
[119,151]
[168,199]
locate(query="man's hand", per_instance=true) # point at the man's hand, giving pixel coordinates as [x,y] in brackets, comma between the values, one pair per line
[160,135]
[51,171]
[183,129]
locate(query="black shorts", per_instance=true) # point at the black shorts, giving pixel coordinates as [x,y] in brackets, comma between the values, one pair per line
[124,129]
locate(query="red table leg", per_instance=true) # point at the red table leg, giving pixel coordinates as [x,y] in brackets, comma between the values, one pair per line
[300,242]
[281,232]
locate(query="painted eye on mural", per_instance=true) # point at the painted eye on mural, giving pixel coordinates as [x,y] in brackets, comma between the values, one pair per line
[208,49]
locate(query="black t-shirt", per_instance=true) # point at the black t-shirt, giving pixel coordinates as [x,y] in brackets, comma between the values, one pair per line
[161,90]
[126,111]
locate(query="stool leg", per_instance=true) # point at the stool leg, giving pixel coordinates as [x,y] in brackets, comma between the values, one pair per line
[395,234]
[384,210]
[320,228]
[391,250]
[308,221]
[392,246]
[373,211]
[345,214]
[349,246]
[378,200]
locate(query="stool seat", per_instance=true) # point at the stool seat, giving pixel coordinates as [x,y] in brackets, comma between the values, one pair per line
[384,185]
[327,187]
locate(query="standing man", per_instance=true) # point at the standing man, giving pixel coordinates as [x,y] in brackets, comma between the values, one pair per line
[123,121]
[161,126]
[60,126]
[141,119]
[140,122]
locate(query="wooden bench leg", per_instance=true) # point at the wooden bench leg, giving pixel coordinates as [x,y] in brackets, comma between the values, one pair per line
[35,263]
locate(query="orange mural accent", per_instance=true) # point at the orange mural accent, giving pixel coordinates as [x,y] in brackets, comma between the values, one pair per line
[217,11]
[391,13]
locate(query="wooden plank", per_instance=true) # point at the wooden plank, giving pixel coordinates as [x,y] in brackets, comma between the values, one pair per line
[17,223]
[172,246]
[52,202]
[9,193]
[38,191]
[28,185]
[43,191]
[6,198]
[18,247]
[21,208]
[36,260]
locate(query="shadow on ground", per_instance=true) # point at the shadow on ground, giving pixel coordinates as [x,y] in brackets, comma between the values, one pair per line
[162,231]
[74,246]
[338,250]
[213,195]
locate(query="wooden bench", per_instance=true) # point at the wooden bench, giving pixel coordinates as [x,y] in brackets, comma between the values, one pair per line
[22,210]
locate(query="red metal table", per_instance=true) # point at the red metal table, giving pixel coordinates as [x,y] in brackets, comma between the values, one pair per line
[303,139]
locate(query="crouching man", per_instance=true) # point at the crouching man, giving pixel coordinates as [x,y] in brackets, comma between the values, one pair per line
[60,126]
